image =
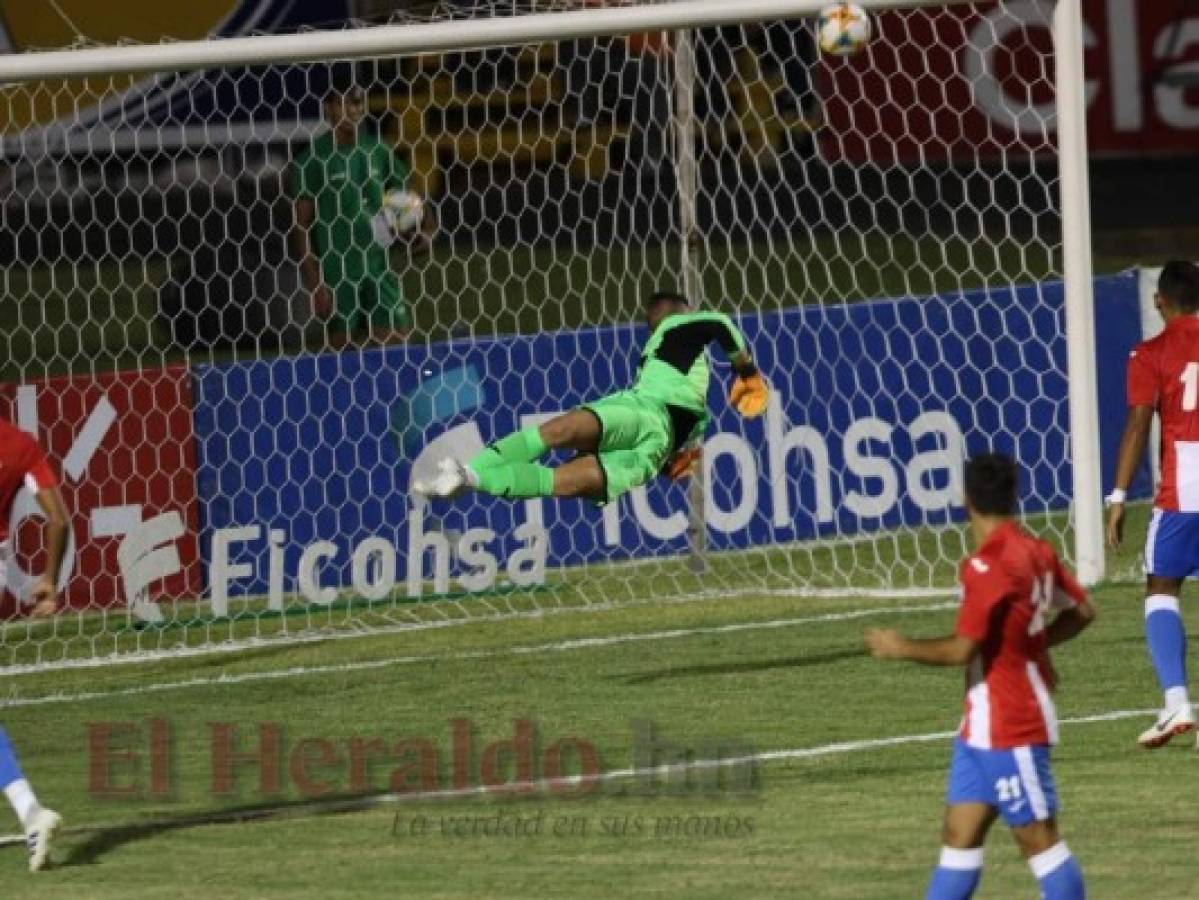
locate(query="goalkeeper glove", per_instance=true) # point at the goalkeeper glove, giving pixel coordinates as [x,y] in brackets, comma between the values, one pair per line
[749,394]
[682,464]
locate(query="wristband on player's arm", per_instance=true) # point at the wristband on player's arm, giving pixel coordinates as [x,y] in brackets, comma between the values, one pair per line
[1118,495]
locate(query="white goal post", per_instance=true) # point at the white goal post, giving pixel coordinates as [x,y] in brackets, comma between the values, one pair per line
[903,266]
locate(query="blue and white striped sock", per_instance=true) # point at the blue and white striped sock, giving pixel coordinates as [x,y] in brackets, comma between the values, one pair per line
[1167,639]
[1058,873]
[957,875]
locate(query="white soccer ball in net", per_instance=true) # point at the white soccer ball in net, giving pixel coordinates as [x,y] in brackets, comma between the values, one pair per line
[843,29]
[400,215]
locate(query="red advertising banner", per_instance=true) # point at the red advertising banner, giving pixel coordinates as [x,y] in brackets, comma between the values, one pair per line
[123,447]
[956,82]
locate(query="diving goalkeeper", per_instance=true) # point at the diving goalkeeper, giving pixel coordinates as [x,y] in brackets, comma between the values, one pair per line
[624,439]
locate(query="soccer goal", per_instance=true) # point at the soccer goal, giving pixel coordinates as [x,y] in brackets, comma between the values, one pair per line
[204,315]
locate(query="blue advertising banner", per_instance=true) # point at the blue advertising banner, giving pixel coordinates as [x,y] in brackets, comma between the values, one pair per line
[305,463]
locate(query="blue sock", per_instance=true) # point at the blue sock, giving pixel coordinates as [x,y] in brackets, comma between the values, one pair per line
[10,769]
[957,875]
[1167,641]
[1058,873]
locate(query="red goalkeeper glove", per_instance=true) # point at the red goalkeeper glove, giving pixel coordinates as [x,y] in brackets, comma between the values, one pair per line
[682,465]
[749,395]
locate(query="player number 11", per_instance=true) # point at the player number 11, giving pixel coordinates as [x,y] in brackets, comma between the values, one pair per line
[1190,381]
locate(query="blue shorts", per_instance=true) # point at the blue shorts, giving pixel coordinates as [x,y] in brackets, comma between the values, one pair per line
[1017,782]
[1172,544]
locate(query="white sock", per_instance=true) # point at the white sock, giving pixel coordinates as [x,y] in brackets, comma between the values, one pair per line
[1176,697]
[1048,860]
[23,800]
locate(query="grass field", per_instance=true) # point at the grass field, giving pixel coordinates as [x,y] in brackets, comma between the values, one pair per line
[822,813]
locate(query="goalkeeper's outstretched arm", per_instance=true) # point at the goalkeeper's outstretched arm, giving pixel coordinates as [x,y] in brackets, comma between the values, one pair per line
[750,391]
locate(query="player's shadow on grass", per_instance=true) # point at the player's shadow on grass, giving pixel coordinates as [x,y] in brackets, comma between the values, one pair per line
[737,668]
[99,842]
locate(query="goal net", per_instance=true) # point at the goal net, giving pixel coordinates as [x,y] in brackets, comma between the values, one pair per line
[204,324]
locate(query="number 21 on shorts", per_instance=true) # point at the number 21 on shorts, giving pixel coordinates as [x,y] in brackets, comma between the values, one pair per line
[1008,788]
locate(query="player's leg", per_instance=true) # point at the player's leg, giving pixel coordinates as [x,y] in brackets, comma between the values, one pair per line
[39,823]
[1053,865]
[960,866]
[969,815]
[577,430]
[1026,796]
[507,467]
[1171,553]
[622,442]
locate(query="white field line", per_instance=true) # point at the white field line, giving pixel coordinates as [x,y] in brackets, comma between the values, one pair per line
[14,698]
[548,786]
[286,639]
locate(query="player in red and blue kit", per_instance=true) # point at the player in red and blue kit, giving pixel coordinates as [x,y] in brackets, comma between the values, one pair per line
[23,466]
[1163,378]
[1018,600]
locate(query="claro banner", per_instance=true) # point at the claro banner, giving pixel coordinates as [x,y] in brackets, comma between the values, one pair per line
[990,61]
[304,464]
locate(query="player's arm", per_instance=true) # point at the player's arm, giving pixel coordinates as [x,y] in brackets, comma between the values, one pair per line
[1132,450]
[45,591]
[1142,391]
[984,589]
[951,650]
[750,392]
[301,237]
[1070,623]
[310,270]
[1076,612]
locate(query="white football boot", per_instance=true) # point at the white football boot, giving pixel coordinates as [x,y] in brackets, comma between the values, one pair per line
[39,836]
[1170,723]
[452,479]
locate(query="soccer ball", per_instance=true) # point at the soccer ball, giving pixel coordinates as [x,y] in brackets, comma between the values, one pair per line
[400,215]
[843,29]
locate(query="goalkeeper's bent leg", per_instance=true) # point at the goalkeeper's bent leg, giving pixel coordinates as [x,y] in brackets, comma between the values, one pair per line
[522,446]
[521,479]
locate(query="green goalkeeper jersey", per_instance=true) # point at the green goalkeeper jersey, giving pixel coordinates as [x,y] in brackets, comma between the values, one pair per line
[347,184]
[674,367]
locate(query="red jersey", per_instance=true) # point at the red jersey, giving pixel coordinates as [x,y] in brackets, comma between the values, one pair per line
[1008,587]
[1164,373]
[22,464]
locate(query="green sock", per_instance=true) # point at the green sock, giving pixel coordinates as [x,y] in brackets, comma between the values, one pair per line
[517,480]
[522,446]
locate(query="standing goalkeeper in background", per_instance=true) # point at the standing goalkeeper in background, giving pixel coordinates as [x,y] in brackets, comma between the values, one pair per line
[338,185]
[625,439]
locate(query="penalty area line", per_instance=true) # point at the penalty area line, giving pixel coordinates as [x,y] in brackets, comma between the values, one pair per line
[543,786]
[14,699]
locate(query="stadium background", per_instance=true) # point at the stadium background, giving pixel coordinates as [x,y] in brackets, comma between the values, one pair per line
[171,193]
[852,758]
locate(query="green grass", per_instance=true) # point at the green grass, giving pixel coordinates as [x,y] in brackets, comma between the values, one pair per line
[859,824]
[100,316]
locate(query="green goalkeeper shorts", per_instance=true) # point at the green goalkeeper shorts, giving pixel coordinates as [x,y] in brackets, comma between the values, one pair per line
[635,436]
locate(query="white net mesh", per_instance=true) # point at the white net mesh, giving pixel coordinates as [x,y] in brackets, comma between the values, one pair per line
[883,227]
